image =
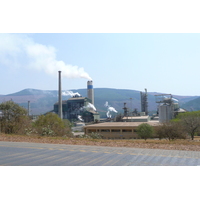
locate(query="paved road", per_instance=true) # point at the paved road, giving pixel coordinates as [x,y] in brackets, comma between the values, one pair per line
[36,154]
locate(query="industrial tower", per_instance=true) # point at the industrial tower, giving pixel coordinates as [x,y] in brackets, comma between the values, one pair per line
[144,103]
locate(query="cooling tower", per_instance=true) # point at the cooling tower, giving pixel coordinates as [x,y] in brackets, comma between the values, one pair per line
[59,95]
[90,91]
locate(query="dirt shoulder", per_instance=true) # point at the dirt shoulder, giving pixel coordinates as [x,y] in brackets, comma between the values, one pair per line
[187,145]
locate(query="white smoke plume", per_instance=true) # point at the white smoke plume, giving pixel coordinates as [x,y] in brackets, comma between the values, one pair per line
[70,93]
[20,51]
[89,107]
[109,110]
[175,99]
[80,118]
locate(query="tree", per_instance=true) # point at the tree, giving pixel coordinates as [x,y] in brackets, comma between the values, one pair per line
[13,118]
[171,130]
[52,125]
[190,121]
[145,131]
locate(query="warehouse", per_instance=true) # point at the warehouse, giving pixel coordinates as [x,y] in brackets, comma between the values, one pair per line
[116,130]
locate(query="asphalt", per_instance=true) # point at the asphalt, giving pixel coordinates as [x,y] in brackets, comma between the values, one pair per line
[39,154]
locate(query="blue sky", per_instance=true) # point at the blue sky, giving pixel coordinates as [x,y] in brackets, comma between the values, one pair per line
[167,63]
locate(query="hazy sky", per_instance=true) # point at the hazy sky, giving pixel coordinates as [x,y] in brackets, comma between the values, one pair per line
[167,63]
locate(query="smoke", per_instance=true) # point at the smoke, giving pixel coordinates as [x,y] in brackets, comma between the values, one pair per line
[172,99]
[175,99]
[80,118]
[89,107]
[70,93]
[20,51]
[109,110]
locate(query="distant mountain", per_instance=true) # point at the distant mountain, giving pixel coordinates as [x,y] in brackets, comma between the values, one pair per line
[42,101]
[192,105]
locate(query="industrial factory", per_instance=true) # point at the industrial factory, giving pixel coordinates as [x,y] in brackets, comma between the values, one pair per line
[168,107]
[77,107]
[82,109]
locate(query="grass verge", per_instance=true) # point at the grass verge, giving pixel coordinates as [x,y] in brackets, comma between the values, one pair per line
[134,143]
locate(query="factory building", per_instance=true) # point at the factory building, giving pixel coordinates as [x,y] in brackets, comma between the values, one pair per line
[116,130]
[77,107]
[168,107]
[145,118]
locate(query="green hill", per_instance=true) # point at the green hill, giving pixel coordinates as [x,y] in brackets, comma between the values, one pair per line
[192,105]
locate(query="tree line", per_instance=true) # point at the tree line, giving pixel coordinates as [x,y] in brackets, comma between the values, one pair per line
[14,120]
[183,126]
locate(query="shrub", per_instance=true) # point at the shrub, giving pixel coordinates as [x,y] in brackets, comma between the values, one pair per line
[145,131]
[95,136]
[191,122]
[14,118]
[51,125]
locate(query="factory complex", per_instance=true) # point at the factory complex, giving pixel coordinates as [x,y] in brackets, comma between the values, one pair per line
[78,107]
[81,110]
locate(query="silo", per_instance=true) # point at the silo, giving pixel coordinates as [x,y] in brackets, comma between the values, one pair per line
[90,91]
[165,113]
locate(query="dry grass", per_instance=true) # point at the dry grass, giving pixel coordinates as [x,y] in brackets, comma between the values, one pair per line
[188,145]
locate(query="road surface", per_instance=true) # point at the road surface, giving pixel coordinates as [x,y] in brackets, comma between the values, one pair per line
[39,154]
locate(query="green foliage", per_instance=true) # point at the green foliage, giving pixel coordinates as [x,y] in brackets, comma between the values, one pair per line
[188,114]
[51,125]
[67,123]
[191,122]
[14,118]
[192,104]
[145,131]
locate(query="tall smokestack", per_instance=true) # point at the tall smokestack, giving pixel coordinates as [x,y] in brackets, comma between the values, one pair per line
[59,95]
[90,91]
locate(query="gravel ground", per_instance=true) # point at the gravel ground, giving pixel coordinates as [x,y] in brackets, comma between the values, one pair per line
[150,144]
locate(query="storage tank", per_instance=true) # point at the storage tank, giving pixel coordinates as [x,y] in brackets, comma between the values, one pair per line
[165,113]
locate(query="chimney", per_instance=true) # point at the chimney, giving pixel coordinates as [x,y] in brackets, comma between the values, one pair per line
[90,91]
[59,96]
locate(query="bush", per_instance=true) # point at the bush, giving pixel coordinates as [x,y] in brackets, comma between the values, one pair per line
[14,118]
[191,122]
[95,136]
[171,130]
[145,131]
[52,125]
